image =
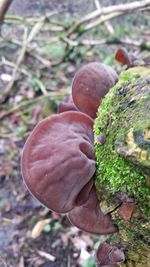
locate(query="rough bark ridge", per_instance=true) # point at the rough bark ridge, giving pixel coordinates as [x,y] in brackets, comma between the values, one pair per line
[123,162]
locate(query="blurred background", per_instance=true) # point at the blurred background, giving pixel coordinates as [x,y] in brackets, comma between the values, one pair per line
[42,45]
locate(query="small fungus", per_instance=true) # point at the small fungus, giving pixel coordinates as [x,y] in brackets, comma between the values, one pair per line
[108,255]
[123,57]
[90,84]
[101,139]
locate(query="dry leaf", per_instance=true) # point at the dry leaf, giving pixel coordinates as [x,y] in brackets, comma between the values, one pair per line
[38,228]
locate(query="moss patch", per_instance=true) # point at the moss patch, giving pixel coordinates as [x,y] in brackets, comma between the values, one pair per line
[123,161]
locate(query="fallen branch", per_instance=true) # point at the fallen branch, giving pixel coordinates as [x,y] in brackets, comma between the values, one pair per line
[29,21]
[107,24]
[115,9]
[110,16]
[108,41]
[102,20]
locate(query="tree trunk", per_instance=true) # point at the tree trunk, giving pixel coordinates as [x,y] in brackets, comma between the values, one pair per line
[4,5]
[123,163]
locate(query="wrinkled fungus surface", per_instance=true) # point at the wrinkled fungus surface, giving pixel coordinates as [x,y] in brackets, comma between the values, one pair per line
[58,160]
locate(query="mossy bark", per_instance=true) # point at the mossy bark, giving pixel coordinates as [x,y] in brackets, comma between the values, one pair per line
[123,162]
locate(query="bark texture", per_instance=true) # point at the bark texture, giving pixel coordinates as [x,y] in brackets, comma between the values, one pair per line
[123,162]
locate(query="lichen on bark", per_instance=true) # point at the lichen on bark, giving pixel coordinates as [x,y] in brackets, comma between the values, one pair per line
[123,161]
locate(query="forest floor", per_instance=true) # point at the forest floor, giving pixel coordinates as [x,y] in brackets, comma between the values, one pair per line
[42,63]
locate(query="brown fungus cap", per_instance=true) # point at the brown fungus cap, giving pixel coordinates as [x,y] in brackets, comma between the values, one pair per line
[90,218]
[123,57]
[90,84]
[108,255]
[58,160]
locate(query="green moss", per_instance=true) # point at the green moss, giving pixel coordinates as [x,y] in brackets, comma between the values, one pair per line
[124,110]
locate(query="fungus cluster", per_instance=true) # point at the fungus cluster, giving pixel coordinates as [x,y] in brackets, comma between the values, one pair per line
[58,161]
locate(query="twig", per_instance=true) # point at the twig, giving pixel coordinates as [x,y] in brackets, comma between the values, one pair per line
[48,41]
[41,86]
[36,28]
[126,7]
[53,26]
[33,51]
[110,16]
[107,24]
[26,40]
[29,21]
[47,63]
[47,26]
[24,104]
[46,255]
[113,40]
[37,81]
[101,20]
[19,60]
[13,65]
